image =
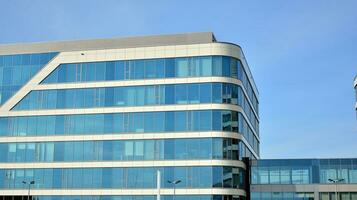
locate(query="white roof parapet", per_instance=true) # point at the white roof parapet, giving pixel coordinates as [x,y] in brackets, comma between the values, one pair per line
[111,43]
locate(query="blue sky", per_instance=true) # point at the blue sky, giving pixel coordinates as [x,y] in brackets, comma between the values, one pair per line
[303,55]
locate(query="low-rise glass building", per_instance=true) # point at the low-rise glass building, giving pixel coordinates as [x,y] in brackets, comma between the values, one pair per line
[304,179]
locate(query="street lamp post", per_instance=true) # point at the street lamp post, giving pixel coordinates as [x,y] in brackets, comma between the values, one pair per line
[336,181]
[174,184]
[29,183]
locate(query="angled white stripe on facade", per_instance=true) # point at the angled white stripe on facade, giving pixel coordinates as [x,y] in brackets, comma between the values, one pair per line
[123,54]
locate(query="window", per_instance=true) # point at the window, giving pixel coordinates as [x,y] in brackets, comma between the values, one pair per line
[181,94]
[274,176]
[180,121]
[206,66]
[193,93]
[205,93]
[181,65]
[217,176]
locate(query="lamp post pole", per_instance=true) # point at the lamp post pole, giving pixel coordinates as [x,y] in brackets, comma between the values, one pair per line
[29,183]
[174,184]
[336,181]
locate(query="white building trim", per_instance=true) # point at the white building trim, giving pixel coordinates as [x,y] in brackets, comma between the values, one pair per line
[131,163]
[116,136]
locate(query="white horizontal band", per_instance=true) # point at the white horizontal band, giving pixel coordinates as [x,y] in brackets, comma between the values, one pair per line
[101,164]
[116,136]
[178,191]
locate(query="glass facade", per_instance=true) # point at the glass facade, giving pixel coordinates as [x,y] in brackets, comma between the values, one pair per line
[282,195]
[143,122]
[124,178]
[16,70]
[340,196]
[118,150]
[303,171]
[137,197]
[201,66]
[152,95]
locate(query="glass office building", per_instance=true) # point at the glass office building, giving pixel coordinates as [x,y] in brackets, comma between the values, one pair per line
[304,179]
[97,119]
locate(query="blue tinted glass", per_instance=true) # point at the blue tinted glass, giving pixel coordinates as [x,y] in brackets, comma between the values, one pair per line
[160,68]
[151,68]
[181,67]
[217,93]
[136,69]
[181,94]
[119,70]
[206,66]
[169,94]
[100,71]
[110,70]
[170,121]
[217,66]
[205,93]
[16,70]
[226,66]
[205,121]
[169,67]
[217,177]
[139,69]
[180,121]
[193,93]
[169,147]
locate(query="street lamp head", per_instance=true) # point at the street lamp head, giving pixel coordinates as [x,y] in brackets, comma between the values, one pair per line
[32,182]
[24,182]
[174,182]
[336,180]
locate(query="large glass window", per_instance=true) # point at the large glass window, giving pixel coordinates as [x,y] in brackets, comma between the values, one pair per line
[168,149]
[16,70]
[125,178]
[145,69]
[143,122]
[303,171]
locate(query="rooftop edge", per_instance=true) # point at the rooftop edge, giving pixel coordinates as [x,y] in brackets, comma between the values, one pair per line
[109,43]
